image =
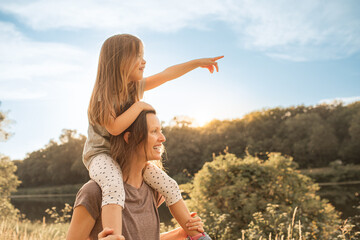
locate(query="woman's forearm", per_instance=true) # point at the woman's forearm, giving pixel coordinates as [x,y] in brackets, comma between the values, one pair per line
[176,234]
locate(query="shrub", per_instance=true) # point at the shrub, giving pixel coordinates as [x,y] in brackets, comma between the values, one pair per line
[8,184]
[228,191]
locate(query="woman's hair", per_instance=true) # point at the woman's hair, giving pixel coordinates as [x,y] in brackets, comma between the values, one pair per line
[123,152]
[117,58]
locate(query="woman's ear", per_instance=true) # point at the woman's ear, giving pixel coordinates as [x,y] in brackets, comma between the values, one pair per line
[126,137]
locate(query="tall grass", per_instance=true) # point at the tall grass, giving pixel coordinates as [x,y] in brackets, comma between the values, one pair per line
[26,230]
[23,229]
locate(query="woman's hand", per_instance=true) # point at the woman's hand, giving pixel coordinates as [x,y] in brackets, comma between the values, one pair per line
[210,63]
[106,234]
[195,223]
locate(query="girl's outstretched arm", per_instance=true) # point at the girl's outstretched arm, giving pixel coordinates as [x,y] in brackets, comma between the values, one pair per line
[180,69]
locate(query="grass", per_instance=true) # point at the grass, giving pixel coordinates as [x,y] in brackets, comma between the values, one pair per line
[26,230]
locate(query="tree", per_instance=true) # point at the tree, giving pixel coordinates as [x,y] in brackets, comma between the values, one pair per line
[309,139]
[8,179]
[228,191]
[4,122]
[351,146]
[8,184]
[56,164]
[182,149]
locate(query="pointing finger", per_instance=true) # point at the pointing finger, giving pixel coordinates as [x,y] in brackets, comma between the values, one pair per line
[217,58]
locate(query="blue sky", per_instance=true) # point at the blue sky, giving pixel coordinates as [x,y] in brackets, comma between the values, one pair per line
[277,53]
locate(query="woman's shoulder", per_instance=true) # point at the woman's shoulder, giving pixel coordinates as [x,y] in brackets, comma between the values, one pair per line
[90,197]
[89,189]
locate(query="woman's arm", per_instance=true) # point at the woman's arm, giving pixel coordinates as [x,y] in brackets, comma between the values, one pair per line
[175,234]
[180,69]
[81,224]
[119,124]
[179,233]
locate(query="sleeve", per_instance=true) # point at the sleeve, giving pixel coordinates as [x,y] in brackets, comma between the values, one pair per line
[89,196]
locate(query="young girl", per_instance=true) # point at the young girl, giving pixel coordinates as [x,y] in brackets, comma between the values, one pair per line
[120,83]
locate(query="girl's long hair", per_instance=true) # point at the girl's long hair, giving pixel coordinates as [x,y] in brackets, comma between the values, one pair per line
[123,152]
[112,89]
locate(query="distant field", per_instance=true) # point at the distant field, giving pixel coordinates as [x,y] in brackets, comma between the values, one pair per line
[64,189]
[348,173]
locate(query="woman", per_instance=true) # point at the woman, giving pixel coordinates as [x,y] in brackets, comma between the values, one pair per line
[132,149]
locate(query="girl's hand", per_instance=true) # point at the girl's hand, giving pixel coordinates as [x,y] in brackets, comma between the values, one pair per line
[145,106]
[209,63]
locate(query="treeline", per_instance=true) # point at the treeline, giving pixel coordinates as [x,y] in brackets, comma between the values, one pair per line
[313,135]
[57,163]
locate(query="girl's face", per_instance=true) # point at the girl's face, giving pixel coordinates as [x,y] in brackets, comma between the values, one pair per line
[155,138]
[138,70]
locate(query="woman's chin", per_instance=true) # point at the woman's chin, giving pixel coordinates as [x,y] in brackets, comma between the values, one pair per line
[155,157]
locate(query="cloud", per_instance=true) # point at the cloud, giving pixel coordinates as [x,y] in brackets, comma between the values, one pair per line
[345,100]
[30,68]
[291,30]
[23,58]
[111,14]
[20,94]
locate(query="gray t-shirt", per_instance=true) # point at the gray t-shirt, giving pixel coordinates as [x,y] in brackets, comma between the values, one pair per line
[140,216]
[98,140]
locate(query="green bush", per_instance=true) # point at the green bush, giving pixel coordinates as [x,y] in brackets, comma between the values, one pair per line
[228,191]
[8,184]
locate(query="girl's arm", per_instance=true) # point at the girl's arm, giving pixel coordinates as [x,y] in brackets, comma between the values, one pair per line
[119,124]
[81,224]
[180,69]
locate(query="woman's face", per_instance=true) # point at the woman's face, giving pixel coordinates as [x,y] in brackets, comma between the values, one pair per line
[155,137]
[138,70]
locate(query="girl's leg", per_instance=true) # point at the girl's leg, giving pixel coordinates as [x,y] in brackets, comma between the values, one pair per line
[168,187]
[107,174]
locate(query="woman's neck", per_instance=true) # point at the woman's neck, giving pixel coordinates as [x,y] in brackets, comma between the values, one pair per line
[135,177]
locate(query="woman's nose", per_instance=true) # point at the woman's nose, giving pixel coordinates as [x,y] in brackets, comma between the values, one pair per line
[162,138]
[143,61]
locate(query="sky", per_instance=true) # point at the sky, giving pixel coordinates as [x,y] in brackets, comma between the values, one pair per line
[278,53]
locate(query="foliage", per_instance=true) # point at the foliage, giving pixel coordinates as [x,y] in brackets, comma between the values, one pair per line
[55,164]
[314,136]
[238,188]
[4,122]
[8,184]
[62,217]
